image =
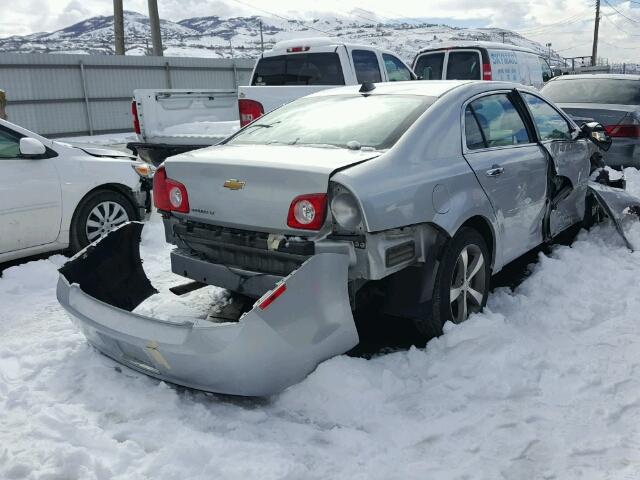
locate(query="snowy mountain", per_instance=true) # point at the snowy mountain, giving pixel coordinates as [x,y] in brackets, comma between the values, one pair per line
[215,36]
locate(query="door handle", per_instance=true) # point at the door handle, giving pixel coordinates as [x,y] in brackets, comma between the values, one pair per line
[494,171]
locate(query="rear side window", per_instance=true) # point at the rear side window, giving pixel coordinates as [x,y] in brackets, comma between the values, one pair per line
[472,131]
[366,65]
[429,67]
[463,66]
[299,69]
[396,70]
[549,123]
[499,122]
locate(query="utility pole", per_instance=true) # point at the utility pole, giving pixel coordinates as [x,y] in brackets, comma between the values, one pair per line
[154,23]
[261,38]
[502,33]
[118,26]
[549,45]
[594,52]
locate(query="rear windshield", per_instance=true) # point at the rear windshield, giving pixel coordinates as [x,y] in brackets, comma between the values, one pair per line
[299,69]
[594,90]
[376,121]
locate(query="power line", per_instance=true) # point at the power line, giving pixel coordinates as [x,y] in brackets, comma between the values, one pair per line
[620,13]
[552,26]
[619,47]
[618,27]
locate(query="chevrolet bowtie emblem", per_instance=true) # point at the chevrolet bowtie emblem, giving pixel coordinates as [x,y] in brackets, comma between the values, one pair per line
[233,184]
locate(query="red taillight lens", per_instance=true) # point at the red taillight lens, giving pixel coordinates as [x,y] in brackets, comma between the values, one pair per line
[134,112]
[169,195]
[628,127]
[249,111]
[486,71]
[297,49]
[307,212]
[271,297]
[632,131]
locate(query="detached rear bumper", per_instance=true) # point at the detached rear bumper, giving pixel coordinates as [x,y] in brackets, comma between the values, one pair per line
[263,353]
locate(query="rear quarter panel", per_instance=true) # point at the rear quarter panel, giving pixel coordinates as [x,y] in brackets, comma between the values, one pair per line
[422,179]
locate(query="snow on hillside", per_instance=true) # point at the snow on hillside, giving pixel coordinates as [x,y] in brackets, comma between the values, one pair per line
[540,385]
[240,36]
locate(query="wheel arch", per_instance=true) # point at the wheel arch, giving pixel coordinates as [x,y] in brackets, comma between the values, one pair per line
[112,187]
[483,226]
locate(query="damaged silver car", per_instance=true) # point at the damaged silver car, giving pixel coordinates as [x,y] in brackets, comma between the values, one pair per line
[407,195]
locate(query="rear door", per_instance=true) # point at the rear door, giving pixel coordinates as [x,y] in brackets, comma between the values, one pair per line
[30,199]
[509,165]
[463,65]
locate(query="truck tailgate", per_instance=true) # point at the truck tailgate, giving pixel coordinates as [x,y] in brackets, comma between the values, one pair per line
[183,116]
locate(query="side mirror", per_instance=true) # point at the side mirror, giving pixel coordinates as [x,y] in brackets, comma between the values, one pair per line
[31,147]
[597,134]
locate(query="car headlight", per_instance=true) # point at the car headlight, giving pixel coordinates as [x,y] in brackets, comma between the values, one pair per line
[144,169]
[345,211]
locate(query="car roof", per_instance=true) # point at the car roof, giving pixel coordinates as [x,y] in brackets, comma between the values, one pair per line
[319,42]
[606,76]
[427,88]
[476,44]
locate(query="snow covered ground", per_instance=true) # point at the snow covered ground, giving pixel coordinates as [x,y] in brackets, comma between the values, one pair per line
[542,385]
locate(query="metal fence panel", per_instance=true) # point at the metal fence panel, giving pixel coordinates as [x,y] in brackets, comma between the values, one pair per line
[60,95]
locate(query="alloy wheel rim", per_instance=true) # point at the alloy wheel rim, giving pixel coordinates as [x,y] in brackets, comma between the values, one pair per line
[468,283]
[103,218]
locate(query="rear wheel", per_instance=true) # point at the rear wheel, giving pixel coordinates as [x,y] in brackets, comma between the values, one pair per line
[462,282]
[99,213]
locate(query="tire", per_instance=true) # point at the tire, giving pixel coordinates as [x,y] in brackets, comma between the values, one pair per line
[87,226]
[450,279]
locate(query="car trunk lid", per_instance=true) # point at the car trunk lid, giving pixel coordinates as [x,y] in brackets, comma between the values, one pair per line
[604,114]
[252,186]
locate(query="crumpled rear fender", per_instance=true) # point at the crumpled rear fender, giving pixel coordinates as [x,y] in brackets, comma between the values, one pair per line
[266,351]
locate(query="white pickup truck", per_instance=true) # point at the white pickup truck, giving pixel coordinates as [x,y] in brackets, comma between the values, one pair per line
[168,122]
[174,121]
[295,68]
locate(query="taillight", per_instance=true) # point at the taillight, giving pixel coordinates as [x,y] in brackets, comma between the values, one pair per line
[486,71]
[307,212]
[169,195]
[134,112]
[628,127]
[249,111]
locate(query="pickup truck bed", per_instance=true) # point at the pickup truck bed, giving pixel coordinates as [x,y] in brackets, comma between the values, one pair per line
[178,120]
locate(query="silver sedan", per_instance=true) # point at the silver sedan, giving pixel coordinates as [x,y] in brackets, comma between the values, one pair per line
[613,101]
[404,196]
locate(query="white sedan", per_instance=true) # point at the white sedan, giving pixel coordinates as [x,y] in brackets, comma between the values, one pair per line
[54,196]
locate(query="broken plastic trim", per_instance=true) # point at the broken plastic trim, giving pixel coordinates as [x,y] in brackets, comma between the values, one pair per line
[262,353]
[617,204]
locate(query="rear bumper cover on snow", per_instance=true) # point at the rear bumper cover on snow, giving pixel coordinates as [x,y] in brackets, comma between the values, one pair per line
[266,351]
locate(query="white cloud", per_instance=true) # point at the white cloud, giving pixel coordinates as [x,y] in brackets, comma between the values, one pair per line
[567,24]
